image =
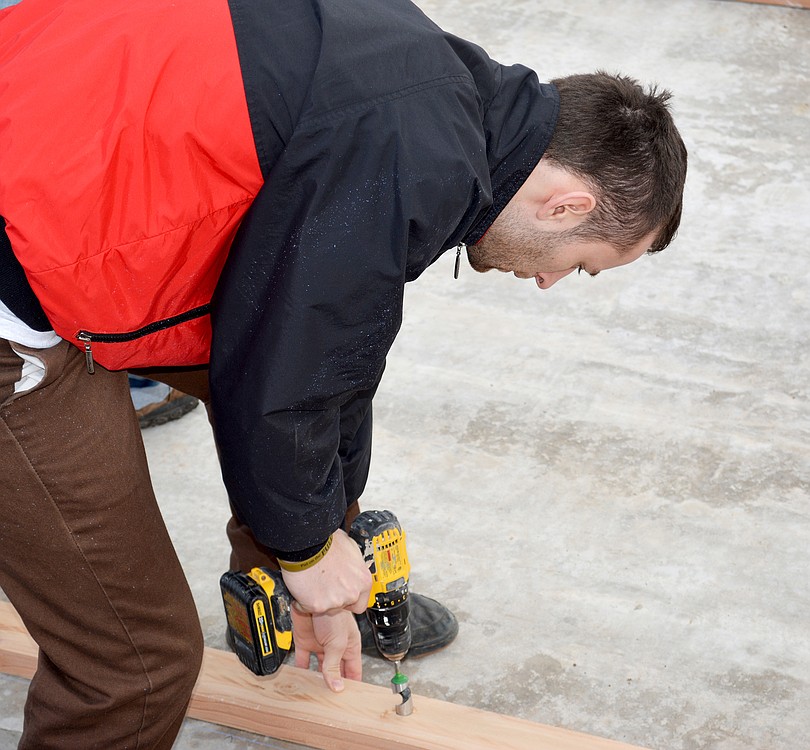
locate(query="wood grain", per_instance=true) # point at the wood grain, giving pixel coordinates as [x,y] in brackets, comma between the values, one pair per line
[294,705]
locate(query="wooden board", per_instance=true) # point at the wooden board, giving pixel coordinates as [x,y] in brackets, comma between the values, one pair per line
[786,3]
[295,705]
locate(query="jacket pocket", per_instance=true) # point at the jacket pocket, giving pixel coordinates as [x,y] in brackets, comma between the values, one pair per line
[88,338]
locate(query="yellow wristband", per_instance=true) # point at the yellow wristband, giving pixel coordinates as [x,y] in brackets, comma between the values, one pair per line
[294,567]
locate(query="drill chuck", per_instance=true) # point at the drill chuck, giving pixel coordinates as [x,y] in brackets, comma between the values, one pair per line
[392,633]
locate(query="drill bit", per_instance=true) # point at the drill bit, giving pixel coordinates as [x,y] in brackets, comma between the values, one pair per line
[399,684]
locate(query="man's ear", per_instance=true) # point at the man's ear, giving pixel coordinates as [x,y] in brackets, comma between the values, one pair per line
[564,209]
[556,197]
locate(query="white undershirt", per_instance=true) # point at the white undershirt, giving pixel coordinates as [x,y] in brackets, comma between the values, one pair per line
[13,329]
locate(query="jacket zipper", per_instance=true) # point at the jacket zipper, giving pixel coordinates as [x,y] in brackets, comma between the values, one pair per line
[88,337]
[461,246]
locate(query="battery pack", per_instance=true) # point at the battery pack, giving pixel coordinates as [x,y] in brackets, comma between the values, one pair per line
[257,609]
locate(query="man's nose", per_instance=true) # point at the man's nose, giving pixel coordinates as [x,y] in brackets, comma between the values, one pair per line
[546,280]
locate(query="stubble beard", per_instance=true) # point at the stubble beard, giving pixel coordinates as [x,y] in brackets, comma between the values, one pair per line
[513,244]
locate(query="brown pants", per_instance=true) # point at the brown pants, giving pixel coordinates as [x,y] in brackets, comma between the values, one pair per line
[86,560]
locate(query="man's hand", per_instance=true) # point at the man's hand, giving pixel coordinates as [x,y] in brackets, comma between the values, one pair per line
[334,639]
[325,596]
[340,581]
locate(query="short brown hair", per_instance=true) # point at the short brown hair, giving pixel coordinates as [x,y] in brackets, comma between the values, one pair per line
[622,140]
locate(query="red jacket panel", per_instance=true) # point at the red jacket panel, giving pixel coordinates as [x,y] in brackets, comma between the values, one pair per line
[124,221]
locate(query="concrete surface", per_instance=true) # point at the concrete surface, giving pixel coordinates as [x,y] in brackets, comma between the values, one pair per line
[608,482]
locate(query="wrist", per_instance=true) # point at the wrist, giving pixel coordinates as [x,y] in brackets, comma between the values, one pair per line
[294,562]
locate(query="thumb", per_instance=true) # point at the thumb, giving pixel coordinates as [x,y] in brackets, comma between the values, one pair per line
[332,658]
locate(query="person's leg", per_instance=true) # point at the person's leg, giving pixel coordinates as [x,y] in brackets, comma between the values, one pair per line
[246,551]
[190,380]
[157,403]
[87,562]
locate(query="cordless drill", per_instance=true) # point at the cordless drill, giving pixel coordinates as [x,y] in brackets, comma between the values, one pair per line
[382,542]
[257,604]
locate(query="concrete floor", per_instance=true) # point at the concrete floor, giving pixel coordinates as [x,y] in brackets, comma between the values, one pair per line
[608,482]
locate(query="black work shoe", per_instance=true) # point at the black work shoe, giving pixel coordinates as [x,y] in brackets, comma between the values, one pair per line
[433,627]
[174,406]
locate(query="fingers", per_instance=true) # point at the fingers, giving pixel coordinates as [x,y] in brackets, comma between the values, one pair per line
[342,659]
[353,660]
[360,606]
[302,657]
[335,640]
[299,608]
[303,636]
[334,633]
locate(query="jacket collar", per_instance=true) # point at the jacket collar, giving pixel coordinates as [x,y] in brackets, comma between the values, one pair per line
[518,125]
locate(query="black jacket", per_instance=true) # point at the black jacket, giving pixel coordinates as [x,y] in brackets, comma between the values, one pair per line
[384,141]
[381,141]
